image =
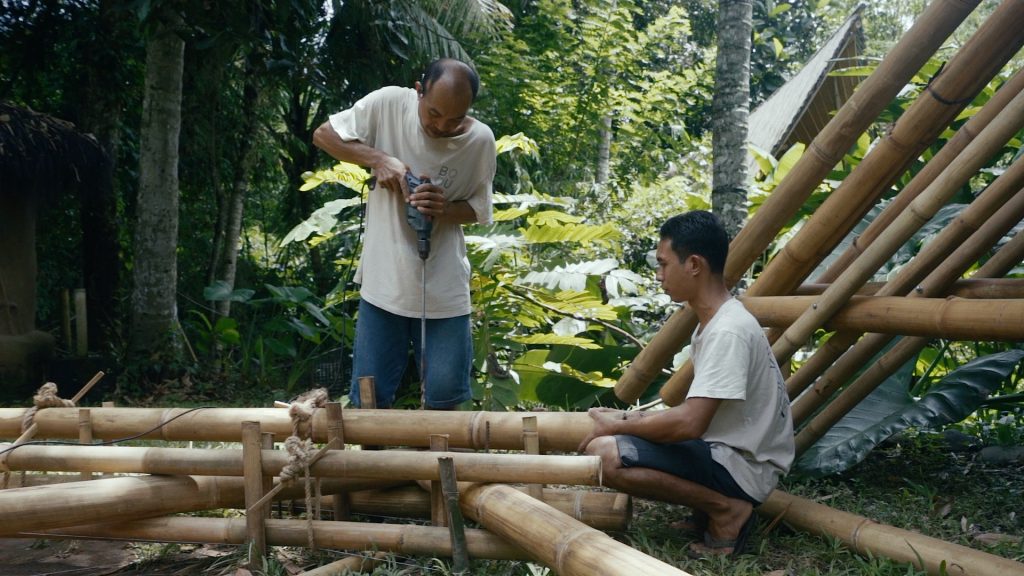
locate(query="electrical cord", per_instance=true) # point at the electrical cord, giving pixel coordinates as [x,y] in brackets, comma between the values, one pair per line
[106,443]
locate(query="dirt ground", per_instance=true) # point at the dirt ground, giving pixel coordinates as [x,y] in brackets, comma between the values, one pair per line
[30,557]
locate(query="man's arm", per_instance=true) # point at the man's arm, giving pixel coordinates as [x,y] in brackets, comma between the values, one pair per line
[389,171]
[686,421]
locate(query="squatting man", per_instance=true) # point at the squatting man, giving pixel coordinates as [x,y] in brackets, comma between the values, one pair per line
[721,451]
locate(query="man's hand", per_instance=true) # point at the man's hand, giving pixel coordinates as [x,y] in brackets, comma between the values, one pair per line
[390,174]
[429,199]
[604,423]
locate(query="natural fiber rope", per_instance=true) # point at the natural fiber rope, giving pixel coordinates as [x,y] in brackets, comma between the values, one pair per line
[45,397]
[300,451]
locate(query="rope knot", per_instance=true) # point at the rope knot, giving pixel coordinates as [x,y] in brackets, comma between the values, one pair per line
[45,397]
[302,409]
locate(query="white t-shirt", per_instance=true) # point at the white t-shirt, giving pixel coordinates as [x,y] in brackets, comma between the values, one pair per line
[751,434]
[463,165]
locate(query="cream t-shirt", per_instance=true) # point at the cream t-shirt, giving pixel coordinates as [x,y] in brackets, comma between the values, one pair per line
[463,165]
[751,434]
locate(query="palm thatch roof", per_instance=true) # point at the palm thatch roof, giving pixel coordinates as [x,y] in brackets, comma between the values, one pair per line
[41,155]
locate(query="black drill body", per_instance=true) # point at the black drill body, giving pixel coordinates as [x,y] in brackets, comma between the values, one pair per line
[417,220]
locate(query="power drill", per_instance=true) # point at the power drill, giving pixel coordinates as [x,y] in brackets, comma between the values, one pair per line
[417,220]
[423,227]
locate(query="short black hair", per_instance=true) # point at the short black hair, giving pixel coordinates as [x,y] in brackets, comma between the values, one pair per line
[443,66]
[700,233]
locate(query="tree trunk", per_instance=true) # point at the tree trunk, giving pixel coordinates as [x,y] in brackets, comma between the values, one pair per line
[730,109]
[225,263]
[604,150]
[155,272]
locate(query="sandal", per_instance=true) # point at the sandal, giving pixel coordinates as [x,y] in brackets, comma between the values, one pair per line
[714,547]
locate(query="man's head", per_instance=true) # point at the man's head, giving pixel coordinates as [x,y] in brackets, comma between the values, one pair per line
[446,90]
[692,244]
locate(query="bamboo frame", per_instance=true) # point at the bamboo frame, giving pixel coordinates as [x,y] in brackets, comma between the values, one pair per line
[402,538]
[351,565]
[993,217]
[559,431]
[567,546]
[928,32]
[953,318]
[870,538]
[920,211]
[387,465]
[1005,259]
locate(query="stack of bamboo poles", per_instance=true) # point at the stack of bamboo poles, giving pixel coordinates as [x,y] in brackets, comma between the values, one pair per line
[563,531]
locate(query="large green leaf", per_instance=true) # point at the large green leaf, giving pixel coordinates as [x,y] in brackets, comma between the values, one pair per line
[890,409]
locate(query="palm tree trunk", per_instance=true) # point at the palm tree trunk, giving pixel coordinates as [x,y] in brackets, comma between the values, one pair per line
[155,272]
[730,109]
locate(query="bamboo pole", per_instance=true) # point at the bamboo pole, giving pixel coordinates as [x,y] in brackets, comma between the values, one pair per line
[454,520]
[567,546]
[953,318]
[1005,259]
[996,210]
[920,211]
[559,431]
[336,434]
[964,136]
[438,443]
[108,499]
[389,465]
[977,287]
[867,537]
[531,445]
[602,510]
[408,539]
[928,32]
[351,565]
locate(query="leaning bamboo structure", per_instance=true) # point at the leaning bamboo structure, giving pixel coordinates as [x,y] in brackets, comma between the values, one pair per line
[948,93]
[954,318]
[567,546]
[867,537]
[953,147]
[922,209]
[386,465]
[409,539]
[991,226]
[1005,259]
[475,430]
[928,32]
[966,74]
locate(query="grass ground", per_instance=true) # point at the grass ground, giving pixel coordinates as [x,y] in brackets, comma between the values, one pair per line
[915,483]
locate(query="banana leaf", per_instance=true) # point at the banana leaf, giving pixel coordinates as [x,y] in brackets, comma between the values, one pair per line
[890,409]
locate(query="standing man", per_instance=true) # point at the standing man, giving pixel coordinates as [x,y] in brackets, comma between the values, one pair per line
[722,451]
[427,133]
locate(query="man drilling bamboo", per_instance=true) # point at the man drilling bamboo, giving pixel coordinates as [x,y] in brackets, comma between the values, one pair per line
[405,135]
[722,451]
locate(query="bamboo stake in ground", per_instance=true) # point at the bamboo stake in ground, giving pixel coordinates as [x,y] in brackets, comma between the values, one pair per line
[438,443]
[85,434]
[870,538]
[252,458]
[456,527]
[926,35]
[531,445]
[336,435]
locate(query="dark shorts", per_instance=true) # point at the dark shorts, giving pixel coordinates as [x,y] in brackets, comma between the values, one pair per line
[690,460]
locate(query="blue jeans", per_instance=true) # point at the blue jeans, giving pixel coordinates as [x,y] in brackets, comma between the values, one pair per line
[382,351]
